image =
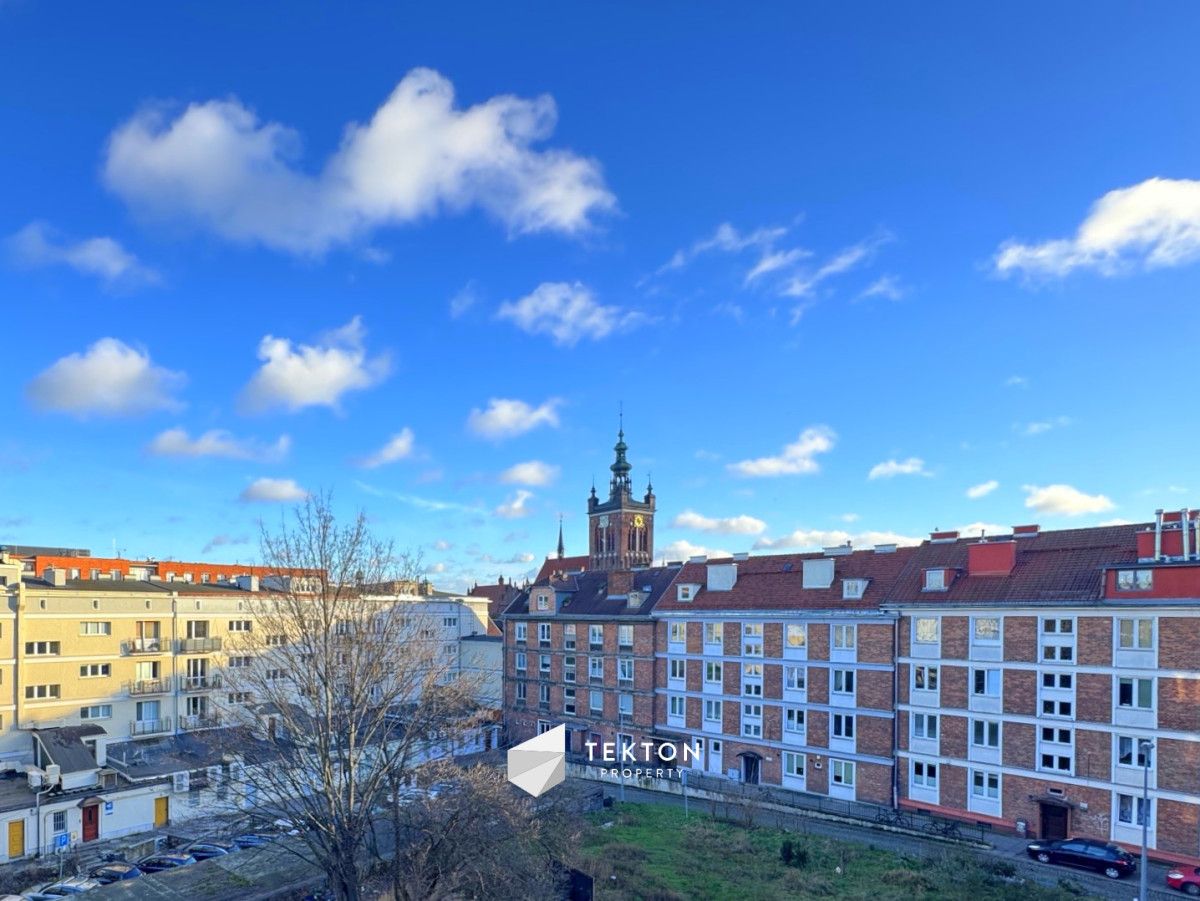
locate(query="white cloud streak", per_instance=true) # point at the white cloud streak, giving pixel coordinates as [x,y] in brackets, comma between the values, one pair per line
[534,473]
[273,491]
[515,507]
[217,443]
[568,313]
[507,418]
[37,245]
[110,378]
[798,458]
[913,466]
[731,525]
[983,489]
[1064,500]
[398,447]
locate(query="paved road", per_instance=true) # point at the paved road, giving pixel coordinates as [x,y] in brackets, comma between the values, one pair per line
[1009,849]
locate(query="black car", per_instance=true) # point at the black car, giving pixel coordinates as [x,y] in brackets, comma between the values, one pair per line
[115,872]
[205,850]
[1085,853]
[167,860]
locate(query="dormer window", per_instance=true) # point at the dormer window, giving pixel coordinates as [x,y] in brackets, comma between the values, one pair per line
[686,592]
[935,580]
[853,589]
[1135,579]
[543,602]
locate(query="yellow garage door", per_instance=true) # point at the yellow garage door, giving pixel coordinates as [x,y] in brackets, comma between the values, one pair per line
[16,838]
[161,811]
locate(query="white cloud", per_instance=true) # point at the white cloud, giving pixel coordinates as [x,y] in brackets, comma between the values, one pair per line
[110,378]
[725,239]
[821,538]
[731,525]
[217,166]
[39,245]
[1117,521]
[532,472]
[217,443]
[983,489]
[913,466]
[436,569]
[311,375]
[567,313]
[1016,381]
[886,286]
[514,507]
[975,529]
[774,260]
[682,550]
[224,541]
[1150,225]
[506,418]
[849,517]
[1043,426]
[398,447]
[1064,500]
[805,284]
[273,491]
[461,302]
[442,545]
[797,458]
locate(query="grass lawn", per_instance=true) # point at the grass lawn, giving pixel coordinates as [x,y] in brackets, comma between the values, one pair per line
[654,853]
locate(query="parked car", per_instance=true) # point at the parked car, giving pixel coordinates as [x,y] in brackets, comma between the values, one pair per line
[1186,879]
[115,872]
[165,860]
[251,840]
[1085,853]
[206,849]
[65,888]
[286,826]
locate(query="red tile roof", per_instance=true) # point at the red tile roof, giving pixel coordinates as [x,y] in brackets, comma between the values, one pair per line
[599,593]
[773,582]
[565,565]
[1061,565]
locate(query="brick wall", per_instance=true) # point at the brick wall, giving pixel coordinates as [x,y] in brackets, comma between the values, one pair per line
[1093,697]
[874,735]
[1178,648]
[875,642]
[955,637]
[1094,645]
[874,783]
[1179,765]
[817,728]
[1020,745]
[1178,827]
[904,635]
[818,685]
[953,732]
[952,786]
[1020,692]
[1020,638]
[818,641]
[773,639]
[953,686]
[1093,754]
[1020,794]
[874,689]
[1179,703]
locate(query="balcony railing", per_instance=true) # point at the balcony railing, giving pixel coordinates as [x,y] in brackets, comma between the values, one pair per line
[150,687]
[143,646]
[150,727]
[199,683]
[199,645]
[199,721]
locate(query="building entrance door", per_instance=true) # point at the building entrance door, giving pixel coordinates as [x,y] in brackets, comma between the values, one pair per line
[91,822]
[750,768]
[1054,821]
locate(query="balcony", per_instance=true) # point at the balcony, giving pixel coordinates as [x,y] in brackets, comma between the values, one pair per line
[150,727]
[150,687]
[199,645]
[199,721]
[143,646]
[199,683]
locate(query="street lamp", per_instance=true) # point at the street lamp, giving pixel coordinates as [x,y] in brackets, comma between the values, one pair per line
[1145,746]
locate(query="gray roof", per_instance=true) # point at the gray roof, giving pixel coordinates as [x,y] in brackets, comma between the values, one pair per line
[64,745]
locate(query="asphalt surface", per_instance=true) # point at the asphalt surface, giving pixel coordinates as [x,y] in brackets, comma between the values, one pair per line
[1004,847]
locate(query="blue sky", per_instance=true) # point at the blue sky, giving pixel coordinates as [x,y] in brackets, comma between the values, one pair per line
[842,265]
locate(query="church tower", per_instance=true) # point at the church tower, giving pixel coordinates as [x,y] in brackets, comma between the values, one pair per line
[621,528]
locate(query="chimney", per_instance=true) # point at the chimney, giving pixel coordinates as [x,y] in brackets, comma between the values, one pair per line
[1158,520]
[620,582]
[247,583]
[1030,531]
[991,558]
[942,537]
[56,576]
[1184,529]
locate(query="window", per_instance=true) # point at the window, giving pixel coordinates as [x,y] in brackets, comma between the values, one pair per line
[925,678]
[712,672]
[853,589]
[95,670]
[1131,810]
[985,630]
[1135,634]
[522,662]
[1057,680]
[521,692]
[596,701]
[843,725]
[677,633]
[843,638]
[60,821]
[625,669]
[276,641]
[240,662]
[677,669]
[569,636]
[712,711]
[596,637]
[1135,579]
[544,634]
[714,633]
[924,774]
[1131,752]
[543,663]
[1135,693]
[1055,749]
[544,695]
[625,705]
[925,630]
[795,636]
[95,628]
[625,636]
[568,669]
[986,682]
[935,580]
[1053,707]
[677,704]
[795,678]
[793,764]
[1058,627]
[843,772]
[37,692]
[569,701]
[596,669]
[239,697]
[96,712]
[793,720]
[520,631]
[985,785]
[685,592]
[274,674]
[240,625]
[543,602]
[752,674]
[752,640]
[41,648]
[752,720]
[985,734]
[924,725]
[843,681]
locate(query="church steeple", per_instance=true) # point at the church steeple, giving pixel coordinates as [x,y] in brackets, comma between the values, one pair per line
[621,467]
[621,527]
[561,547]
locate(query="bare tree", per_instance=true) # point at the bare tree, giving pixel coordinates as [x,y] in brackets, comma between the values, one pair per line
[342,692]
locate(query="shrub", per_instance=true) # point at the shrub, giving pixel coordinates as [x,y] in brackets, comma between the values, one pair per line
[1003,868]
[911,881]
[1070,886]
[786,852]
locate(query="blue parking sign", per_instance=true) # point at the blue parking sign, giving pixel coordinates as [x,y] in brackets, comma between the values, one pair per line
[61,841]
